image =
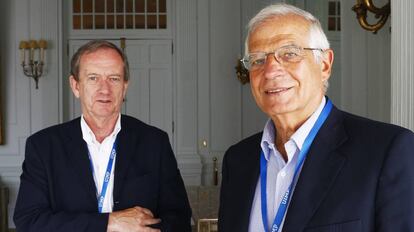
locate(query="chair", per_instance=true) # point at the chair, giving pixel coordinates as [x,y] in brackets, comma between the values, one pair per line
[207,225]
[204,202]
[4,202]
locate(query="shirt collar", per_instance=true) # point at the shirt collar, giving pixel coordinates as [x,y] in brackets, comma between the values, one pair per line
[298,137]
[89,136]
[268,138]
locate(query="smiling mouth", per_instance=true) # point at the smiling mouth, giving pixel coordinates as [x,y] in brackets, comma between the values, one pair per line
[104,101]
[277,91]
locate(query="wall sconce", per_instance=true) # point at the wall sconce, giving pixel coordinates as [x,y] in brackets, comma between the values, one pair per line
[242,73]
[33,68]
[382,14]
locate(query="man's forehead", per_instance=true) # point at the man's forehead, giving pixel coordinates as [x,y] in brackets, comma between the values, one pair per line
[103,56]
[103,51]
[271,41]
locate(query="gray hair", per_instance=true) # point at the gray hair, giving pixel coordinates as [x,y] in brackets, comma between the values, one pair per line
[93,46]
[317,38]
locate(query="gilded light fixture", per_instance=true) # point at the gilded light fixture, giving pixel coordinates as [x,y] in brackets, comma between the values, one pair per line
[241,72]
[34,66]
[363,6]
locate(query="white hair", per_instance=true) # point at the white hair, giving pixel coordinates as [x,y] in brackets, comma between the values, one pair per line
[317,38]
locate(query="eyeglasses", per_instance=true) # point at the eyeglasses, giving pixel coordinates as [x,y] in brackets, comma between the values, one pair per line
[284,55]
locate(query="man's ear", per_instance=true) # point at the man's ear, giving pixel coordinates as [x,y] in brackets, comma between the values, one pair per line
[74,85]
[326,64]
[126,83]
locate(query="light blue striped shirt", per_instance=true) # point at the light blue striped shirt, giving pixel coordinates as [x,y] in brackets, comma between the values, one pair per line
[279,172]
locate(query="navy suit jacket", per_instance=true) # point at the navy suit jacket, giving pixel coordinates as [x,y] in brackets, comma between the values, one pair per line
[58,193]
[358,176]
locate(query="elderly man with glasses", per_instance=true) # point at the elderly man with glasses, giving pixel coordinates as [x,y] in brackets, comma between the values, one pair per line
[314,167]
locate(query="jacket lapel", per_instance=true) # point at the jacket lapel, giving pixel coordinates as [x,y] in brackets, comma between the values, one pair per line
[77,154]
[126,145]
[321,167]
[251,165]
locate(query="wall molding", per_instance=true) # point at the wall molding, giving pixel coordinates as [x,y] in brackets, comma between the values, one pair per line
[402,63]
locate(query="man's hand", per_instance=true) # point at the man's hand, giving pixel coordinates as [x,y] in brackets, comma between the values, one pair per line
[134,219]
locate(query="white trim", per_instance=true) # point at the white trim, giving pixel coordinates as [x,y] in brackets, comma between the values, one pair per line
[60,47]
[402,63]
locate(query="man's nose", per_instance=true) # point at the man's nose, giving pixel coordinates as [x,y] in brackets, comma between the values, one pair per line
[104,85]
[272,66]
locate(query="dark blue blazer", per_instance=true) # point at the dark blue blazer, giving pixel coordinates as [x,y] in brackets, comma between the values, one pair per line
[57,191]
[358,176]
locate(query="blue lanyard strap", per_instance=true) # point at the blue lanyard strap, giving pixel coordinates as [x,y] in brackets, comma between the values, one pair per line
[107,177]
[302,155]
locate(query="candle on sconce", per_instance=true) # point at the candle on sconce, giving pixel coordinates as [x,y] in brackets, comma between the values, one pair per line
[23,46]
[34,67]
[42,46]
[33,46]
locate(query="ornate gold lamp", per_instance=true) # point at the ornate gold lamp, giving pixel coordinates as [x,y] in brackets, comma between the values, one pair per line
[242,73]
[34,66]
[363,6]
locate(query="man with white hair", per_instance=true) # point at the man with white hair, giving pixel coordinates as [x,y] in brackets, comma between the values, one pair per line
[314,167]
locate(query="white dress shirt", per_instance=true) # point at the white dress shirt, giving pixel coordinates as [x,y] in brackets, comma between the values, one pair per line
[99,155]
[279,172]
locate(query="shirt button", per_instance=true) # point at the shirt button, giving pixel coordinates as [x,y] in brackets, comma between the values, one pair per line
[283,174]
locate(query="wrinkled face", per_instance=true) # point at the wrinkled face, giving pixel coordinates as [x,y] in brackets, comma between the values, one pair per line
[101,87]
[287,89]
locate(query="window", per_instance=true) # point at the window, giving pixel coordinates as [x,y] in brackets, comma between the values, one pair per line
[334,16]
[119,14]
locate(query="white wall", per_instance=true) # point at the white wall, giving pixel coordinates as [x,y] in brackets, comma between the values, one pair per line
[366,67]
[25,109]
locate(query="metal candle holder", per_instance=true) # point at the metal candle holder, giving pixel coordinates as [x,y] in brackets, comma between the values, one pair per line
[33,68]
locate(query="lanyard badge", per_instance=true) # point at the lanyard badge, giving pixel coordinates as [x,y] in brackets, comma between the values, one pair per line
[107,177]
[302,155]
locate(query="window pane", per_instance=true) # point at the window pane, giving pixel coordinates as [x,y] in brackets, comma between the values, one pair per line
[129,6]
[76,22]
[76,6]
[139,21]
[99,21]
[339,8]
[119,6]
[99,6]
[152,6]
[140,6]
[87,6]
[331,8]
[87,22]
[110,6]
[119,21]
[331,23]
[163,6]
[110,22]
[129,21]
[162,19]
[152,21]
[338,20]
[139,14]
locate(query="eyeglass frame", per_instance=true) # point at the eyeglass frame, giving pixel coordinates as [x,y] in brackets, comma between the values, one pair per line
[245,60]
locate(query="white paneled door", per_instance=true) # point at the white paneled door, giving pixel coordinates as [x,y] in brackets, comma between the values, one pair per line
[150,91]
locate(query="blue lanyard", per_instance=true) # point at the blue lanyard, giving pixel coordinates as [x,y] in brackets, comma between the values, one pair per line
[302,155]
[107,177]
